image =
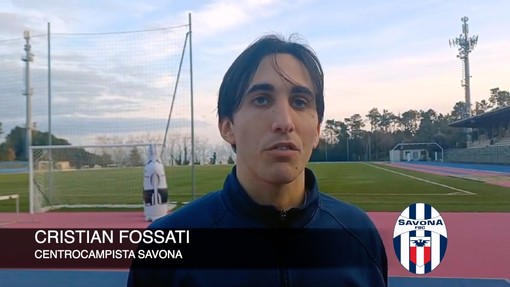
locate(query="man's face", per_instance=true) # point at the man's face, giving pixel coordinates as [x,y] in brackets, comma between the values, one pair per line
[275,127]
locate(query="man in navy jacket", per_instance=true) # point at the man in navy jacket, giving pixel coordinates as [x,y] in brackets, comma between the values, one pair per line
[270,109]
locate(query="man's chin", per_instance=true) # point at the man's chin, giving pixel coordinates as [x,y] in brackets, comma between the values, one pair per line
[283,174]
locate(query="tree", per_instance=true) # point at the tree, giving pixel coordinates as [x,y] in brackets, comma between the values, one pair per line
[16,140]
[481,107]
[410,120]
[186,147]
[41,138]
[111,155]
[374,118]
[458,111]
[201,145]
[172,140]
[330,136]
[135,159]
[331,131]
[6,152]
[355,125]
[1,130]
[499,99]
[446,136]
[386,142]
[426,129]
[354,143]
[223,152]
[387,120]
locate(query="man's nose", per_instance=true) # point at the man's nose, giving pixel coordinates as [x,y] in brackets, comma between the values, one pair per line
[282,115]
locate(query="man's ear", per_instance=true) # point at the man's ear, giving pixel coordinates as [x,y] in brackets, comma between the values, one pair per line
[226,128]
[317,136]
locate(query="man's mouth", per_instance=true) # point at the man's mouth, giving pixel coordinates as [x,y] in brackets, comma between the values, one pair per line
[284,146]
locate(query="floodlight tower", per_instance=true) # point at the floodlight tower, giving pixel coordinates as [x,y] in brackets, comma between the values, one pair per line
[29,57]
[465,45]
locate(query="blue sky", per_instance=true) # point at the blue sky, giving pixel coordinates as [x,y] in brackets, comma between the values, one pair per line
[391,55]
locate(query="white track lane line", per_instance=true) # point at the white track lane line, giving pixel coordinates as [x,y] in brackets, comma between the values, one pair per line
[424,180]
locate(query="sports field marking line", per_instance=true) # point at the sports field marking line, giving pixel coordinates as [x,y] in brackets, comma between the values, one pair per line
[397,194]
[7,222]
[427,181]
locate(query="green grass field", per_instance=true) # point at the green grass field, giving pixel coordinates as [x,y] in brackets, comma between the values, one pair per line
[370,186]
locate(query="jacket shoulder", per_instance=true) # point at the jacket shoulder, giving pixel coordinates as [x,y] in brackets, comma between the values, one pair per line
[345,214]
[357,222]
[204,212]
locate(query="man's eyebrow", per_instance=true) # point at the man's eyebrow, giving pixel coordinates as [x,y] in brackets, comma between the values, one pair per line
[301,90]
[269,88]
[260,88]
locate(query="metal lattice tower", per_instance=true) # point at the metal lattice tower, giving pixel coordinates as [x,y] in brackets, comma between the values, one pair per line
[29,57]
[465,45]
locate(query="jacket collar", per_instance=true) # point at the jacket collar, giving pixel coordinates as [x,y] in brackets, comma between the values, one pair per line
[255,215]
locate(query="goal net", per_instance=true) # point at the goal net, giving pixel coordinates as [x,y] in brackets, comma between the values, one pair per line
[120,87]
[101,95]
[99,87]
[100,176]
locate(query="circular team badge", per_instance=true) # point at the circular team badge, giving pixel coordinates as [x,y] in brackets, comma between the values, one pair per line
[420,238]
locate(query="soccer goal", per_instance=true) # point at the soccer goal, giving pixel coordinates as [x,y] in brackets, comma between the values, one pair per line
[105,92]
[428,151]
[94,176]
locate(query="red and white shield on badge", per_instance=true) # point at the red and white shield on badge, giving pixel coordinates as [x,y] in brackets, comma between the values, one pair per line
[419,250]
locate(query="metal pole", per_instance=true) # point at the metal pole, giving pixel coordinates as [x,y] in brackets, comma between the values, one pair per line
[31,192]
[50,156]
[326,148]
[49,88]
[467,88]
[28,91]
[369,148]
[467,50]
[347,147]
[192,113]
[174,93]
[468,100]
[467,76]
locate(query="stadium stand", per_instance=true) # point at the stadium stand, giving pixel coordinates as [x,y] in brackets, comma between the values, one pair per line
[490,141]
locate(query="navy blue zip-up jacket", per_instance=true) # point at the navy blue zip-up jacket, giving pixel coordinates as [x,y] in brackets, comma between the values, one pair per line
[358,245]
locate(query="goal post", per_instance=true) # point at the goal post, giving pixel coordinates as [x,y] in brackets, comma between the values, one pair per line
[88,176]
[426,151]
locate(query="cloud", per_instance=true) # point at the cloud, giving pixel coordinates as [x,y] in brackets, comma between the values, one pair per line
[224,15]
[387,55]
[11,23]
[125,77]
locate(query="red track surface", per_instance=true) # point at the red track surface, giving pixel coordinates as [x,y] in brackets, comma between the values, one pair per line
[478,243]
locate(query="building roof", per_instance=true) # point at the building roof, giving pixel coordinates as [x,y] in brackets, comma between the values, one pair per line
[484,120]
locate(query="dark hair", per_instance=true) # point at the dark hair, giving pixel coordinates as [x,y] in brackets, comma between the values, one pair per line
[241,72]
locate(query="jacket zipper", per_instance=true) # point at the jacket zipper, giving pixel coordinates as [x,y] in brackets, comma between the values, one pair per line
[283,271]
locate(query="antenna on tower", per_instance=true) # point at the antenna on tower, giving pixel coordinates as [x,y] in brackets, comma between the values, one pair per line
[465,46]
